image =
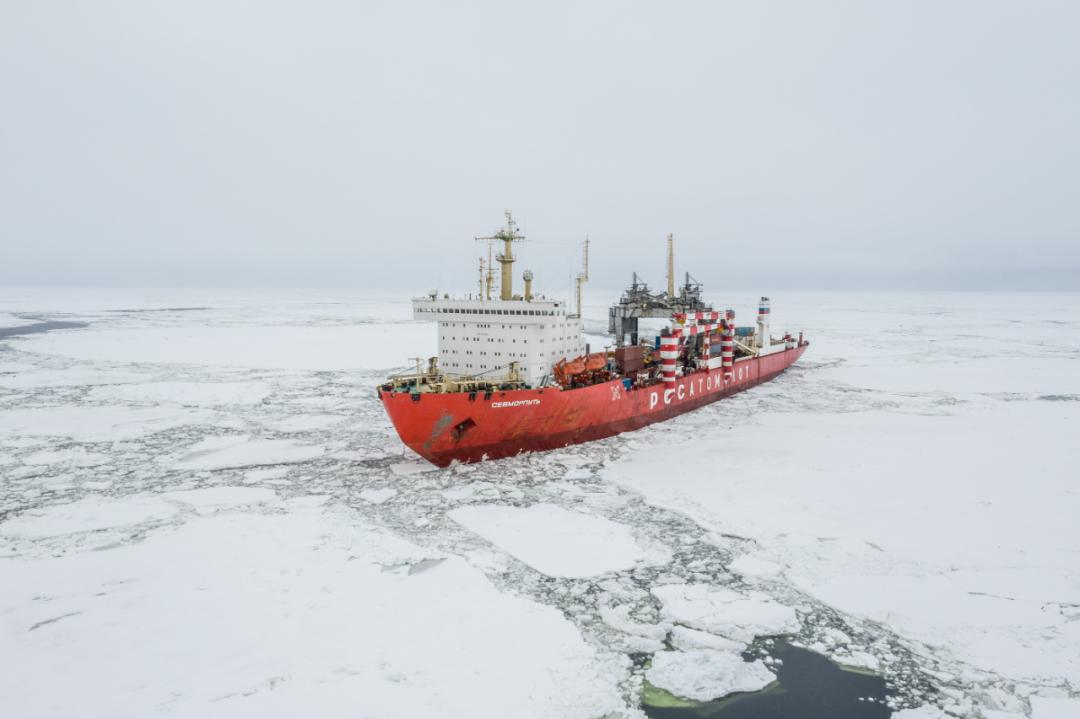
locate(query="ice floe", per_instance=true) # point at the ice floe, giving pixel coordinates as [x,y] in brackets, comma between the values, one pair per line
[718,610]
[87,515]
[218,497]
[755,567]
[553,540]
[304,423]
[75,456]
[962,374]
[639,637]
[96,424]
[404,469]
[232,451]
[208,394]
[703,675]
[1008,634]
[377,496]
[686,638]
[1054,708]
[32,377]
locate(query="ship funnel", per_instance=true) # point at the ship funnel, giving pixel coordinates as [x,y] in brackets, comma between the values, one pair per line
[528,277]
[763,323]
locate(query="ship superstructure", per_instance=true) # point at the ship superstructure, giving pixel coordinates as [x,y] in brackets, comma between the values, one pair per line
[483,339]
[516,337]
[513,374]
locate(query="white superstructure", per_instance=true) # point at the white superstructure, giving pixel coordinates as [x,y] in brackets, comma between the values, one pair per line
[482,337]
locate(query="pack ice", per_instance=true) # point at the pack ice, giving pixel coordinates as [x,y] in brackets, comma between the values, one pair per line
[204,511]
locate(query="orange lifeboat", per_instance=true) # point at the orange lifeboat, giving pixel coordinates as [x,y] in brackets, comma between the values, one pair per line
[575,366]
[565,371]
[596,361]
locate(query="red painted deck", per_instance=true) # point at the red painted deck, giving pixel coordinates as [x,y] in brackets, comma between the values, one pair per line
[445,427]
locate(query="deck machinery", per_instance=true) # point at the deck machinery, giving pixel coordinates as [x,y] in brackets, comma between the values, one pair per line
[639,302]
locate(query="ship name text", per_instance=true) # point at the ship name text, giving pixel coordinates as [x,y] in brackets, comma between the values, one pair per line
[515,403]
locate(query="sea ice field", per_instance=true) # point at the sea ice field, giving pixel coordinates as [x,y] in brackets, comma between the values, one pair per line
[205,512]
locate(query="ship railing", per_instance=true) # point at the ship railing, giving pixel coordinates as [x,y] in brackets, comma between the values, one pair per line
[438,382]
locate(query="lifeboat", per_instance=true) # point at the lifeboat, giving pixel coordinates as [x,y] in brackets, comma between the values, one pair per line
[566,371]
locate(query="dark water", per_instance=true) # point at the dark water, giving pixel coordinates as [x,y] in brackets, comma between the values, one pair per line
[809,687]
[38,328]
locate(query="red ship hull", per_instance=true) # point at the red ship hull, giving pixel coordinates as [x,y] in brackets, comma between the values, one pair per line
[470,428]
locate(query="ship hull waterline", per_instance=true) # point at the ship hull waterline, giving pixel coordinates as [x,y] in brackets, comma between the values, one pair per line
[443,428]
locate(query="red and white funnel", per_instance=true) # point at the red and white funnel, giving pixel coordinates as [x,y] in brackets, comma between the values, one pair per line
[763,323]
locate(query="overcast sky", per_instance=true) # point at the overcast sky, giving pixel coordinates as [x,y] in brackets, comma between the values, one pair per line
[362,144]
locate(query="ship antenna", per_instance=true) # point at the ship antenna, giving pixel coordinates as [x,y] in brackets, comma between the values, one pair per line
[671,266]
[583,277]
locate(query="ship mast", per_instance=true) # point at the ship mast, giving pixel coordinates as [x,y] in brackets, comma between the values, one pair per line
[671,266]
[583,277]
[490,275]
[508,235]
[487,271]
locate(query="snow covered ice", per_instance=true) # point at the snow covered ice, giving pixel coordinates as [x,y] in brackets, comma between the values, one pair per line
[282,614]
[724,612]
[703,675]
[552,540]
[204,511]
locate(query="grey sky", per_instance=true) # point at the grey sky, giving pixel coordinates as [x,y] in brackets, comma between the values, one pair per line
[349,144]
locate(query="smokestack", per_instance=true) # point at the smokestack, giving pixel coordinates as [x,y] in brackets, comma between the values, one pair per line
[669,353]
[727,351]
[763,323]
[671,265]
[527,276]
